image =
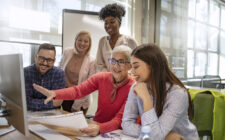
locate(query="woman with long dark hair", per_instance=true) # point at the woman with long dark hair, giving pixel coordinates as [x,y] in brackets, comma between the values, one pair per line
[158,96]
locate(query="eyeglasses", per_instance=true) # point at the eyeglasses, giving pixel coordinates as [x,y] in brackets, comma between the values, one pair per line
[48,60]
[119,62]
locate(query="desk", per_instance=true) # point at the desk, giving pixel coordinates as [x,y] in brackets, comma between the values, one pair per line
[19,136]
[222,83]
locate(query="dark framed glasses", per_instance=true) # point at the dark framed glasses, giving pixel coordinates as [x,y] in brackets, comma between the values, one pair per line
[48,60]
[119,62]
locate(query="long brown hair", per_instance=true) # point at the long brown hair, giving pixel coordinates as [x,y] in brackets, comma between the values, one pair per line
[160,74]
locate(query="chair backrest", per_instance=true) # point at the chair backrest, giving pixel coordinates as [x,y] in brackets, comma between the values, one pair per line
[211,81]
[203,113]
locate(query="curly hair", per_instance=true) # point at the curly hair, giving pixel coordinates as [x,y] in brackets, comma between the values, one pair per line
[113,10]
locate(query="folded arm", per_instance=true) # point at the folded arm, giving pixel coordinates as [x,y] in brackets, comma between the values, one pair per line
[160,126]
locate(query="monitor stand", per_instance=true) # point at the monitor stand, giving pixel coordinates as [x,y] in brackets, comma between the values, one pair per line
[3,112]
[4,125]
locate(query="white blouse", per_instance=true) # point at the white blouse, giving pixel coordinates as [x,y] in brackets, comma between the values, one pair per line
[105,50]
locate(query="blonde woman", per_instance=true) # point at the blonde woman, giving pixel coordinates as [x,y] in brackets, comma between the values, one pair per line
[78,66]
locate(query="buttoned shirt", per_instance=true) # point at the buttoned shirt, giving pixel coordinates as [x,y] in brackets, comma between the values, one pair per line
[53,79]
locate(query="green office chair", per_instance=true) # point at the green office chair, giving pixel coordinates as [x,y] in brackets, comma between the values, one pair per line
[203,114]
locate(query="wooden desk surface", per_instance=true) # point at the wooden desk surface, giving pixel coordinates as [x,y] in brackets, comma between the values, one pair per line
[19,136]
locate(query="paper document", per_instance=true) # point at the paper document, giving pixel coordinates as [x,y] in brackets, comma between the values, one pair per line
[46,133]
[115,135]
[44,113]
[6,130]
[74,120]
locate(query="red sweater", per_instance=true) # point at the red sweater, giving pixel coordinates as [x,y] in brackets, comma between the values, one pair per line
[109,115]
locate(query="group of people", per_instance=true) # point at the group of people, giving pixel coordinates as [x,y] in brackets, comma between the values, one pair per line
[150,95]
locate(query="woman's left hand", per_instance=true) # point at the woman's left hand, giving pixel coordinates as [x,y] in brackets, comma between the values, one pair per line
[141,90]
[92,130]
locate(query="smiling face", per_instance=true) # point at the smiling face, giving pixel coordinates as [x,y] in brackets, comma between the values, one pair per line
[82,43]
[140,70]
[112,25]
[44,60]
[119,71]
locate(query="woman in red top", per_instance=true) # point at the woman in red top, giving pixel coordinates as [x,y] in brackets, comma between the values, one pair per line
[113,88]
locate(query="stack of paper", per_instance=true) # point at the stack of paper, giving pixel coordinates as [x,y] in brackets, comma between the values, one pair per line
[44,113]
[115,135]
[46,133]
[74,120]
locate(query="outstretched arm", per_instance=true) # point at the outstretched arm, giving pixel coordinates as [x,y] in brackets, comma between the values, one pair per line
[71,93]
[50,94]
[34,99]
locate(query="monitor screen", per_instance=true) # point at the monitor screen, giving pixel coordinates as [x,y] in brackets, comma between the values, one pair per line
[12,89]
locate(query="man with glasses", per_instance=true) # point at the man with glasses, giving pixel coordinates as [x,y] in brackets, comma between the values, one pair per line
[44,73]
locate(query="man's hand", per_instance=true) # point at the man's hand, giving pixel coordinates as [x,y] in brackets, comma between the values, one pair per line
[92,130]
[174,136]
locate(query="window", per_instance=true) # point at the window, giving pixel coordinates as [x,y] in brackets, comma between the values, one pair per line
[172,37]
[12,48]
[195,28]
[25,24]
[205,30]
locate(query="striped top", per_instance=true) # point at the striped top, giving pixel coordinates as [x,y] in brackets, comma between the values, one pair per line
[173,118]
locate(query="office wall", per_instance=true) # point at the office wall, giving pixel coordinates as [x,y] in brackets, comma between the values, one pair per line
[74,21]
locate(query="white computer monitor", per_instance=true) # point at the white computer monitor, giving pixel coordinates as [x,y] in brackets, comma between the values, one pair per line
[12,89]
